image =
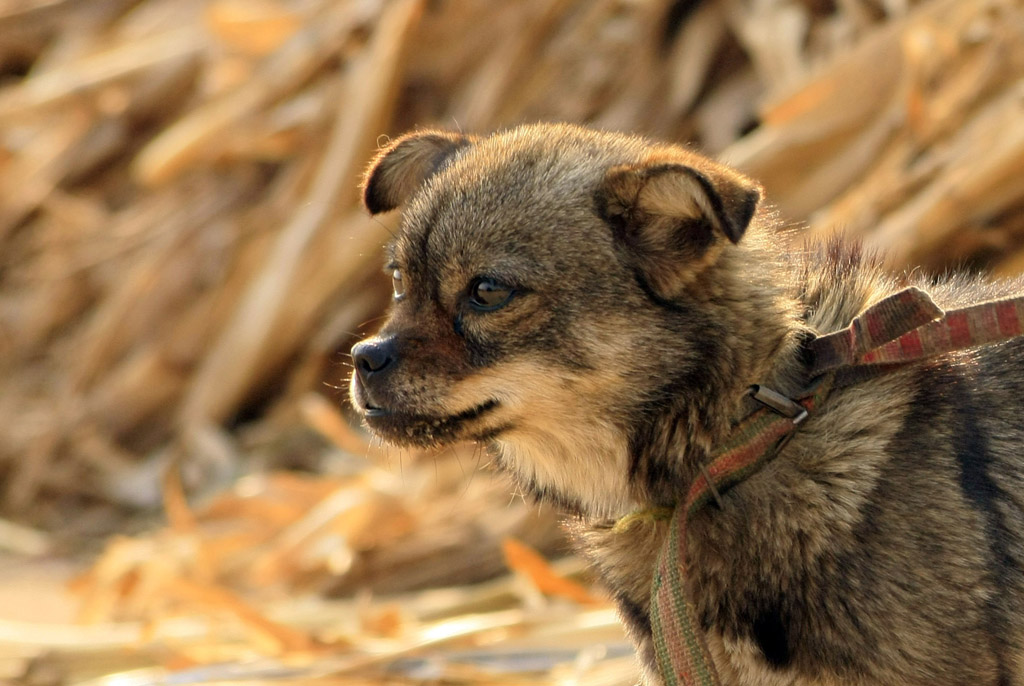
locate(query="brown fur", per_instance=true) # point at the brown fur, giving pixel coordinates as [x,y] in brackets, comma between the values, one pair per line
[882,546]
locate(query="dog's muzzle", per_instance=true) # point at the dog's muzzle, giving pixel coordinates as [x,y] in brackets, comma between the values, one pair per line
[373,360]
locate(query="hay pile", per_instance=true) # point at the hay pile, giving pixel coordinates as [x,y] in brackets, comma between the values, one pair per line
[183,262]
[181,252]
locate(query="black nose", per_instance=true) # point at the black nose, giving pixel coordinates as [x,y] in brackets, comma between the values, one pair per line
[373,356]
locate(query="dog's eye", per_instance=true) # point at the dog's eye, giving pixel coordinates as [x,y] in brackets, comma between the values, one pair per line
[487,294]
[397,284]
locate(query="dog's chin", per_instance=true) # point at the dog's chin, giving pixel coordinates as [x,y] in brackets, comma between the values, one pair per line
[426,430]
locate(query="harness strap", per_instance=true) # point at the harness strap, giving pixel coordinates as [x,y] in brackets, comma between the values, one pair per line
[882,323]
[904,327]
[679,644]
[907,327]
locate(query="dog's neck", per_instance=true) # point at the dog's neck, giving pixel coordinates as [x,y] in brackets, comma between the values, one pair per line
[741,323]
[754,319]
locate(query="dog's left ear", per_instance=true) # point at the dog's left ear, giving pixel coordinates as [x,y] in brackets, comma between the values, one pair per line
[675,217]
[402,167]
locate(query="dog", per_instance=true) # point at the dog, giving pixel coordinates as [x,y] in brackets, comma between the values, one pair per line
[594,306]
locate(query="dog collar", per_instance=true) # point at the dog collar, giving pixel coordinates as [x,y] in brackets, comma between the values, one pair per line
[902,328]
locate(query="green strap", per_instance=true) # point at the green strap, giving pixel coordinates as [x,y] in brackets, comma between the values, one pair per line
[679,644]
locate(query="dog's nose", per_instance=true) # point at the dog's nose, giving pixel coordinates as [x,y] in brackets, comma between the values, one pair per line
[372,357]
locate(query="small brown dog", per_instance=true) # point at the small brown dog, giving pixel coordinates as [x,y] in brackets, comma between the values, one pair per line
[594,306]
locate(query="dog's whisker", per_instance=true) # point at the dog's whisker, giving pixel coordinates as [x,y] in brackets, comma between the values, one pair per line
[387,228]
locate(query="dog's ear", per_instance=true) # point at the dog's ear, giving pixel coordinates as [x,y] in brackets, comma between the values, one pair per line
[403,165]
[674,217]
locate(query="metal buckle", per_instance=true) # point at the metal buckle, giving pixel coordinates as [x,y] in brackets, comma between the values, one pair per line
[711,485]
[778,402]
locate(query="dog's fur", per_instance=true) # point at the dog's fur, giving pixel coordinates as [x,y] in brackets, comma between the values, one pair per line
[883,545]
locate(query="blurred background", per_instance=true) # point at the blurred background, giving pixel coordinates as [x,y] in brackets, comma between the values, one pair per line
[184,494]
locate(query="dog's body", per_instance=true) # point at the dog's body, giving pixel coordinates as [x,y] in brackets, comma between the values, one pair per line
[595,305]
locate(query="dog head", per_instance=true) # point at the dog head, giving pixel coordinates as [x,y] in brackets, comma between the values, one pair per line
[548,290]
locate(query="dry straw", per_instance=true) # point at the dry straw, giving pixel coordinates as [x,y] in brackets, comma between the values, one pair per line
[183,261]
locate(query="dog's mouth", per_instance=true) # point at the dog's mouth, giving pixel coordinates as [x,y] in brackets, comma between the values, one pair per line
[374,411]
[407,428]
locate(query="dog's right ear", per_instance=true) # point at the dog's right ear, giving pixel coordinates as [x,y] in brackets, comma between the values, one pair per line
[402,166]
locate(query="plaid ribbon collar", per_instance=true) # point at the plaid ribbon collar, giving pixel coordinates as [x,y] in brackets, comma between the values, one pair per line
[904,327]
